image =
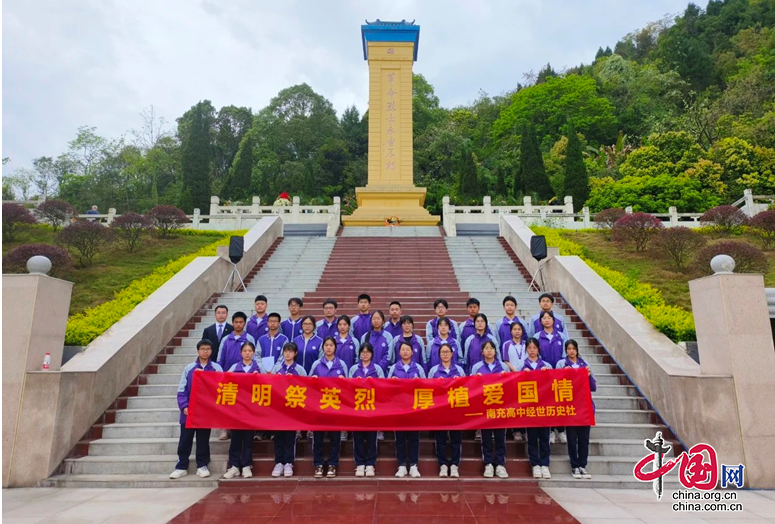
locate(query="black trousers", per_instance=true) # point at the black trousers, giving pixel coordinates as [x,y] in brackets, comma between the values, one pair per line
[365,448]
[335,437]
[241,448]
[455,440]
[538,446]
[284,447]
[186,442]
[404,440]
[499,457]
[578,445]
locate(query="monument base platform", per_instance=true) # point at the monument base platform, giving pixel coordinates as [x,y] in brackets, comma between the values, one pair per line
[376,204]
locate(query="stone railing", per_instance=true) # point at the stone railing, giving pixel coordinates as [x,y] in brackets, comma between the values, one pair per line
[717,401]
[236,218]
[563,217]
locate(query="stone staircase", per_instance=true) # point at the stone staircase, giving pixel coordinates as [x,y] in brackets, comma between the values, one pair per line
[485,267]
[135,442]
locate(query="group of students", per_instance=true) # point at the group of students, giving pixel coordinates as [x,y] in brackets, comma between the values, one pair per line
[371,346]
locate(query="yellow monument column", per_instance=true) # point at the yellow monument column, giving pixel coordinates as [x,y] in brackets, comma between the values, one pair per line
[391,49]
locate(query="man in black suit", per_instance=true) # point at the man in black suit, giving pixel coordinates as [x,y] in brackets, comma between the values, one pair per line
[219,330]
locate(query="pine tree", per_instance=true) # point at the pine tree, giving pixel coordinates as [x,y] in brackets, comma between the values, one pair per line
[576,178]
[195,161]
[238,182]
[500,179]
[532,171]
[468,185]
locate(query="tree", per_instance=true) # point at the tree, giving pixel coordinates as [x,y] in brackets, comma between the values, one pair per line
[45,175]
[21,182]
[14,216]
[130,228]
[238,183]
[355,131]
[151,131]
[86,238]
[763,225]
[679,243]
[576,178]
[16,260]
[166,219]
[636,229]
[195,162]
[56,212]
[468,182]
[425,105]
[231,126]
[548,106]
[532,176]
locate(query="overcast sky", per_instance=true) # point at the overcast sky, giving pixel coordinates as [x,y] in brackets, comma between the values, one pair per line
[100,63]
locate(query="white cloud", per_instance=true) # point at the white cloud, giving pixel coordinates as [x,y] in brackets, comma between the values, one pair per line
[99,63]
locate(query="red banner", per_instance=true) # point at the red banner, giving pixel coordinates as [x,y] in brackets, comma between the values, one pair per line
[283,402]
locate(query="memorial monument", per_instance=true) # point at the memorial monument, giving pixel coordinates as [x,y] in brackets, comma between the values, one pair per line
[391,49]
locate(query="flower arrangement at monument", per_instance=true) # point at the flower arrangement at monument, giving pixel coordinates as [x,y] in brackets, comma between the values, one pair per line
[392,221]
[283,200]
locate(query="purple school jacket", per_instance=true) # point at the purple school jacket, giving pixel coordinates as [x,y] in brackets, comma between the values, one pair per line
[231,346]
[347,350]
[441,372]
[320,368]
[535,366]
[309,350]
[552,347]
[256,327]
[184,386]
[433,352]
[467,329]
[394,329]
[324,329]
[418,349]
[272,347]
[504,329]
[472,347]
[254,367]
[414,370]
[361,325]
[382,342]
[371,371]
[290,328]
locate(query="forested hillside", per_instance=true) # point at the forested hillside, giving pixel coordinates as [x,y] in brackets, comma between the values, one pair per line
[679,113]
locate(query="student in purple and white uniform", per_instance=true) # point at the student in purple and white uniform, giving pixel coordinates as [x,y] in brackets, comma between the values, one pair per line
[346,346]
[204,349]
[241,447]
[545,302]
[257,326]
[407,368]
[362,321]
[407,334]
[472,346]
[538,449]
[503,325]
[328,366]
[578,436]
[468,328]
[444,337]
[552,344]
[446,369]
[291,326]
[272,344]
[393,325]
[380,340]
[285,441]
[513,353]
[231,347]
[490,365]
[310,345]
[440,306]
[365,442]
[326,326]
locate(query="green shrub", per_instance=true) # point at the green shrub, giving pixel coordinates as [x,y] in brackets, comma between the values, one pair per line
[674,322]
[88,325]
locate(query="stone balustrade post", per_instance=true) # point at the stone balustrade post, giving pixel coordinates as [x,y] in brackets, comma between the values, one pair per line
[214,205]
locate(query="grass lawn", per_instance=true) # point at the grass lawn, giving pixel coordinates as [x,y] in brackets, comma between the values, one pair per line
[114,268]
[652,267]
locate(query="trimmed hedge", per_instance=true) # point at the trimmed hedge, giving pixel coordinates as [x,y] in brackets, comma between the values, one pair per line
[88,325]
[674,322]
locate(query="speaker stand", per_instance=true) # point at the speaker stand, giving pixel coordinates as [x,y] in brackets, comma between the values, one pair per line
[232,280]
[539,273]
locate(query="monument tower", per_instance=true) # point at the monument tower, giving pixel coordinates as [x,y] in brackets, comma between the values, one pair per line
[391,49]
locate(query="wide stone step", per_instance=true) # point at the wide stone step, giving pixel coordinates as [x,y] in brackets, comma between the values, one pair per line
[147,481]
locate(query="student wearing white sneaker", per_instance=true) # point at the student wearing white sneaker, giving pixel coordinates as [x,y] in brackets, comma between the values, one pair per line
[241,448]
[447,370]
[537,438]
[365,442]
[490,365]
[285,441]
[204,349]
[578,436]
[407,368]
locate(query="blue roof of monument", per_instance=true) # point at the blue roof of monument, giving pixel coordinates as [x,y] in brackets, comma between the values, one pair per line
[387,31]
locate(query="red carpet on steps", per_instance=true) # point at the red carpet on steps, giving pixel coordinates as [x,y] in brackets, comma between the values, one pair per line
[377,501]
